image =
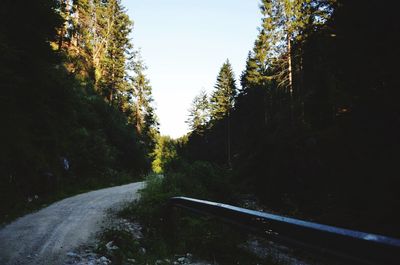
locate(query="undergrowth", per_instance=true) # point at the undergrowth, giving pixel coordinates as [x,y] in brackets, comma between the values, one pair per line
[169,233]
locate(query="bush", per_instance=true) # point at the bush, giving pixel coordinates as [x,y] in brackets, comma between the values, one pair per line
[169,231]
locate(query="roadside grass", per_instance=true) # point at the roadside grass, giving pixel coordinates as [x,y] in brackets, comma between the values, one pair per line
[171,233]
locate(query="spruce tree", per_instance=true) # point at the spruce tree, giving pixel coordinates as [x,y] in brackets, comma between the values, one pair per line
[288,21]
[95,38]
[113,79]
[199,113]
[222,102]
[140,100]
[223,98]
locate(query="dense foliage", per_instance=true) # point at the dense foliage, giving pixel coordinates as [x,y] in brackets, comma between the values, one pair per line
[169,232]
[314,129]
[67,114]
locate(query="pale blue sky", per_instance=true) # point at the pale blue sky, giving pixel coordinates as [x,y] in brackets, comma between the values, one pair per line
[184,43]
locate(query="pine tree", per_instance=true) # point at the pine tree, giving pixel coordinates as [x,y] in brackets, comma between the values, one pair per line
[101,29]
[199,113]
[113,76]
[140,100]
[95,38]
[259,72]
[222,102]
[223,98]
[75,37]
[270,65]
[63,9]
[258,62]
[289,21]
[48,51]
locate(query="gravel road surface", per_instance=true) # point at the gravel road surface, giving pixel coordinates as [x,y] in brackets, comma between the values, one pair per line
[46,236]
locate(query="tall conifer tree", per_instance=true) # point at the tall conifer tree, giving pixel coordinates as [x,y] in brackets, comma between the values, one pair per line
[113,81]
[199,113]
[223,100]
[140,100]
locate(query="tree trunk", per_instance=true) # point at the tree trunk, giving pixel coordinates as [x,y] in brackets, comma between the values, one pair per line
[290,73]
[290,76]
[302,89]
[229,140]
[266,108]
[61,38]
[110,96]
[139,116]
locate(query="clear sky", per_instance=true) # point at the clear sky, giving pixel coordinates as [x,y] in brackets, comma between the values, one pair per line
[184,43]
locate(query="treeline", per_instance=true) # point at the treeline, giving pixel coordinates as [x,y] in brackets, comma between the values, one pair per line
[76,105]
[313,129]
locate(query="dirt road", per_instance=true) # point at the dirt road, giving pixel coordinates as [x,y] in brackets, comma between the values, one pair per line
[46,236]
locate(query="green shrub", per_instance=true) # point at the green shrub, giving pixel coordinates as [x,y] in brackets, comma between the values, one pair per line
[169,231]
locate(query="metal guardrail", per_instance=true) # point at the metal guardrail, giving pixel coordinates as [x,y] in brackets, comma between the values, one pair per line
[355,246]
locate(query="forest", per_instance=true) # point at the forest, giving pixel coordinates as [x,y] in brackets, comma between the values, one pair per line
[76,104]
[311,129]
